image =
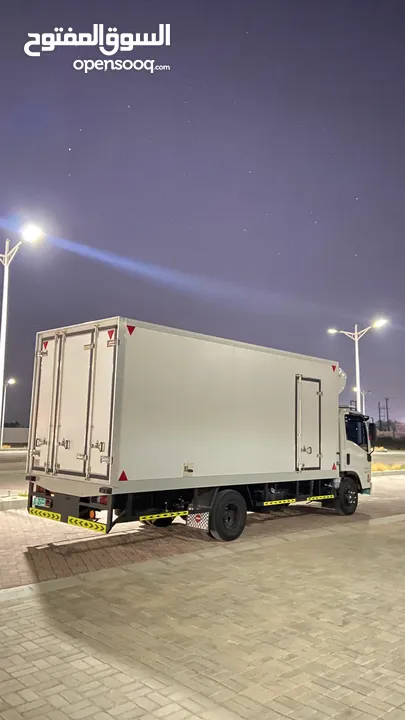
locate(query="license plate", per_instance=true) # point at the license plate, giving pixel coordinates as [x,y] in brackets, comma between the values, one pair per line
[39,502]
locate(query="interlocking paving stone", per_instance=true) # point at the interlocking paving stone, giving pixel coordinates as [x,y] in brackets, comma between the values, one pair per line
[310,627]
[36,550]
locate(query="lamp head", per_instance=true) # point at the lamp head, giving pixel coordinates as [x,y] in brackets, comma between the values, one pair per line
[379,323]
[332,331]
[31,233]
[11,381]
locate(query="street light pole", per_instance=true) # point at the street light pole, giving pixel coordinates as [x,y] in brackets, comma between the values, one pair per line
[356,336]
[29,234]
[6,261]
[357,360]
[364,393]
[11,381]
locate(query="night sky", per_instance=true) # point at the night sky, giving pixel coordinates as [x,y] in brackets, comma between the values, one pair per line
[268,163]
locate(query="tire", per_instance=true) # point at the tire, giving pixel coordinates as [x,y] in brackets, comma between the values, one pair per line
[348,497]
[160,522]
[228,516]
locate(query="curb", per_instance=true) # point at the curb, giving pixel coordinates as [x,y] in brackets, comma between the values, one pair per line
[13,502]
[378,473]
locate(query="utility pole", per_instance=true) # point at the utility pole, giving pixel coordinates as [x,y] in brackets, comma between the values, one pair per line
[384,421]
[379,416]
[387,413]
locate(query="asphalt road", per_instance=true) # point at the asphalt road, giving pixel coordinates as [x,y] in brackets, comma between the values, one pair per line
[391,457]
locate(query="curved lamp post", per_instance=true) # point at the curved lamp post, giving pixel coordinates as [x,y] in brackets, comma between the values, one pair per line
[356,336]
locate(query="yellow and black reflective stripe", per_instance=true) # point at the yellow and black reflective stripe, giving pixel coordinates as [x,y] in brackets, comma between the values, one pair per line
[293,500]
[280,502]
[181,513]
[87,524]
[45,514]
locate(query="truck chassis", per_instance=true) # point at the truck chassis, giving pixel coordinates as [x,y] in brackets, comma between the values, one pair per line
[219,511]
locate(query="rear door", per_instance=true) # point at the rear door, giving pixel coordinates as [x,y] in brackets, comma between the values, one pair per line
[101,406]
[72,417]
[44,405]
[73,403]
[308,423]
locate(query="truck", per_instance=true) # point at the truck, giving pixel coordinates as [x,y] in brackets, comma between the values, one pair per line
[136,422]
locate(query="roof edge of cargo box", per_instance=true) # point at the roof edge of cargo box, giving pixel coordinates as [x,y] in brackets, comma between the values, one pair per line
[186,333]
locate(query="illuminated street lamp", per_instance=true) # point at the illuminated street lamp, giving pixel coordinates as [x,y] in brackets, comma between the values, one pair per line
[11,381]
[29,234]
[356,336]
[363,394]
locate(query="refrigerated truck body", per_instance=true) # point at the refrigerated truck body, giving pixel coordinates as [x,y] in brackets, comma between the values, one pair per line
[134,421]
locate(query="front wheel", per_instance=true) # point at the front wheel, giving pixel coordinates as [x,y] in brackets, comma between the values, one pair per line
[228,516]
[348,497]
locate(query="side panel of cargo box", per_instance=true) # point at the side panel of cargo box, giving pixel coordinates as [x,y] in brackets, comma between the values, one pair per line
[194,411]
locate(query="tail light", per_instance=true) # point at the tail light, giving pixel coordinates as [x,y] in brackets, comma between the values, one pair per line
[42,490]
[102,500]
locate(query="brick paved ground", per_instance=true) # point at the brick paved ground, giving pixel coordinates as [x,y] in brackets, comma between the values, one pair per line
[33,549]
[300,624]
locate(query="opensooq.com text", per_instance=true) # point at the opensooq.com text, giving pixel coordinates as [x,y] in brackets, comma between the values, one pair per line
[87,66]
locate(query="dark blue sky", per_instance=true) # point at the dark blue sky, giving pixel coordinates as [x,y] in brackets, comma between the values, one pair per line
[271,157]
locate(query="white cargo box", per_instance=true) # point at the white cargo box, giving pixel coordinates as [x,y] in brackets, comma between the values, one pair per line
[137,407]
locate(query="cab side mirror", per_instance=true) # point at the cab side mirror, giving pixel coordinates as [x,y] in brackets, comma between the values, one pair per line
[372,431]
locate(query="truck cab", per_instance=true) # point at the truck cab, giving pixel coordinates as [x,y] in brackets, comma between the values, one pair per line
[356,443]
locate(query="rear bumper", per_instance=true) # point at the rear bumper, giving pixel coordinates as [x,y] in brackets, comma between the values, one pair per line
[69,509]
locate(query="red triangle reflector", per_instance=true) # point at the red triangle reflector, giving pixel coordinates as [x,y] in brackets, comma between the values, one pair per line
[111,334]
[45,344]
[130,329]
[334,466]
[123,477]
[334,368]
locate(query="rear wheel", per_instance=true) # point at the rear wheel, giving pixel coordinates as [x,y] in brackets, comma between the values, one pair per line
[160,522]
[228,516]
[348,497]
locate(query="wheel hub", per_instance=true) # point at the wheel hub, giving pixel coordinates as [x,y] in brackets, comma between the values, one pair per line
[350,496]
[230,516]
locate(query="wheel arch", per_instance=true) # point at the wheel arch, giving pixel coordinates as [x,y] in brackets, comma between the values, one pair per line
[243,490]
[353,476]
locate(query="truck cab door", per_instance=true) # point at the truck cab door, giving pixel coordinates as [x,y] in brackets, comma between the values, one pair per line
[355,451]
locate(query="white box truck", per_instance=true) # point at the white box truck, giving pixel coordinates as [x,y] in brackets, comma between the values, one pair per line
[132,421]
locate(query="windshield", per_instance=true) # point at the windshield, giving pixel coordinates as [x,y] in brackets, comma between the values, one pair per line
[356,431]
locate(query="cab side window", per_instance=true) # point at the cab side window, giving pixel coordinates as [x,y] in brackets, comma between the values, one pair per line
[356,431]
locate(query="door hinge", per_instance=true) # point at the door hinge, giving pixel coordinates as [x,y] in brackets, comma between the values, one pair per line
[105,459]
[81,456]
[40,441]
[42,353]
[113,343]
[35,453]
[320,455]
[320,393]
[90,346]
